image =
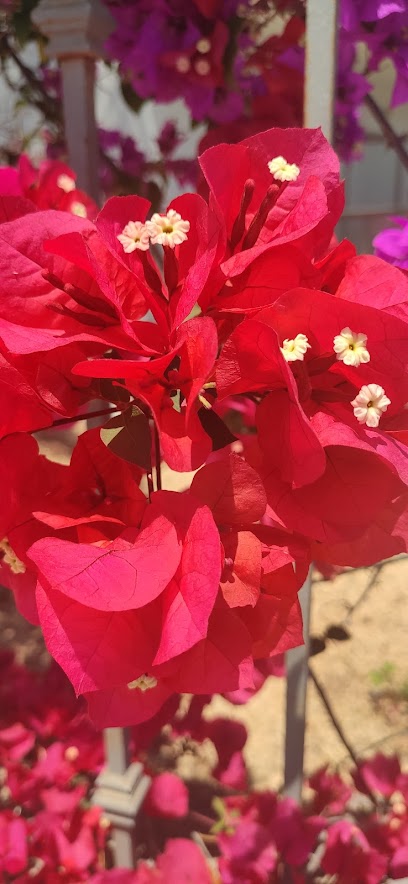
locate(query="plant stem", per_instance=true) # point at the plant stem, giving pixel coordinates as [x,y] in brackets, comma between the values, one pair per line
[391,137]
[333,718]
[82,417]
[150,486]
[157,454]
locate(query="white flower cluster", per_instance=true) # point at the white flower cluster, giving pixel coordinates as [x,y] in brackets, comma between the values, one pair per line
[351,348]
[168,230]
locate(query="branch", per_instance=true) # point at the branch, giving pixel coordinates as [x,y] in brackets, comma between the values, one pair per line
[393,140]
[336,724]
[49,106]
[157,458]
[82,417]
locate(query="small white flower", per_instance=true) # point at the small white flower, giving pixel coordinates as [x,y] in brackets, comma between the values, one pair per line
[79,209]
[295,349]
[66,183]
[203,45]
[282,170]
[168,230]
[350,347]
[72,753]
[370,404]
[144,683]
[134,236]
[9,558]
[202,67]
[182,64]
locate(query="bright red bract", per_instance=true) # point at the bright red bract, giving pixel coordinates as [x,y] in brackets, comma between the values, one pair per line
[229,338]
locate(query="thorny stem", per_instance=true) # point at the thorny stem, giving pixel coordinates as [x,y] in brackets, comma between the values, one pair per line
[390,135]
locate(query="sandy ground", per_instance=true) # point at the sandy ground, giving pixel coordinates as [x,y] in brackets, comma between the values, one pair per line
[365,678]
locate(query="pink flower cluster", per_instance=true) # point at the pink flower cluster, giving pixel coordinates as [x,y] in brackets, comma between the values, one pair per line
[216,57]
[231,339]
[354,828]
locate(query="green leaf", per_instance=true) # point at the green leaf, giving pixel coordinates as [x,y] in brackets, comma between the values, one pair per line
[128,436]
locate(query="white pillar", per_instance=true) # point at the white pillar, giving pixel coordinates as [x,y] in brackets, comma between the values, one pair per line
[321,62]
[76,30]
[121,789]
[320,81]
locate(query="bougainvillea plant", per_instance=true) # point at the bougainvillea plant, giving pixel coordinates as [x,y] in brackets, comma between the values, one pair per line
[352,827]
[239,355]
[392,243]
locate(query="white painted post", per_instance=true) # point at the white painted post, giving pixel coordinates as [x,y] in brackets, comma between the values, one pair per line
[321,60]
[297,672]
[76,30]
[121,789]
[321,32]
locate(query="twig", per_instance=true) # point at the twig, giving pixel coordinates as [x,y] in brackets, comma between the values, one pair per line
[150,486]
[82,417]
[390,135]
[370,585]
[157,458]
[338,727]
[50,106]
[375,743]
[333,718]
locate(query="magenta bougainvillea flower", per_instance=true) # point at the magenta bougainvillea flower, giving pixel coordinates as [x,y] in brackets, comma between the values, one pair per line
[251,378]
[50,753]
[392,243]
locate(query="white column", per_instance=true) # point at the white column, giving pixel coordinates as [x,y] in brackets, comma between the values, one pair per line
[321,60]
[121,789]
[320,76]
[76,30]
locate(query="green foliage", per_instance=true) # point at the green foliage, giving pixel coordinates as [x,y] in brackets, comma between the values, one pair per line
[22,24]
[383,675]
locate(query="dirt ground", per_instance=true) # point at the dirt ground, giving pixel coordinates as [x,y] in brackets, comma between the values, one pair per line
[365,678]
